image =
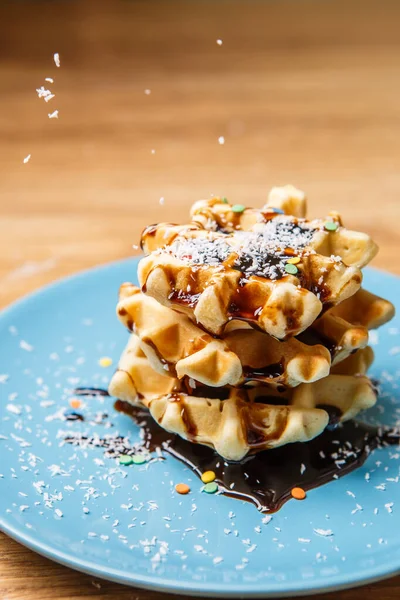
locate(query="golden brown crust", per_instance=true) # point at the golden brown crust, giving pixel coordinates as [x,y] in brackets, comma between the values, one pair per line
[175,345]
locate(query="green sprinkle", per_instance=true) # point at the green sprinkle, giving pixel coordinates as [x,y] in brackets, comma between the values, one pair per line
[224,200]
[138,459]
[331,225]
[291,269]
[125,460]
[238,208]
[211,488]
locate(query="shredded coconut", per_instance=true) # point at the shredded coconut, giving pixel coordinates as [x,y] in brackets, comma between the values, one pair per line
[260,253]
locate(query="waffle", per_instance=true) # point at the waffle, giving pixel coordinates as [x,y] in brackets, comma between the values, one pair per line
[365,309]
[345,392]
[215,277]
[289,199]
[236,422]
[175,345]
[344,328]
[134,379]
[235,427]
[355,248]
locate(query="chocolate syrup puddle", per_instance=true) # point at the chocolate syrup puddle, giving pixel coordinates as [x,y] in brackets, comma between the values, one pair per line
[267,478]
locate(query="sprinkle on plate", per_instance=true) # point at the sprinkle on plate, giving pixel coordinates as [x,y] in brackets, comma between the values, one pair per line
[139,459]
[105,361]
[298,493]
[182,488]
[125,460]
[210,488]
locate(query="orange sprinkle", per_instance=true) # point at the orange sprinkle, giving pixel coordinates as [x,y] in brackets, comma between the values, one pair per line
[182,488]
[75,403]
[298,493]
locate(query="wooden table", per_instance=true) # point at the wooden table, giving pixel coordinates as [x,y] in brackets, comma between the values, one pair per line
[303,91]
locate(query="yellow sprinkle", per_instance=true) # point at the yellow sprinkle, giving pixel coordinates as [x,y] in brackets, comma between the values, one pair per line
[105,361]
[294,261]
[208,476]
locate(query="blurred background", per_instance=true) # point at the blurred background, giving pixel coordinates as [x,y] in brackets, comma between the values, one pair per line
[298,91]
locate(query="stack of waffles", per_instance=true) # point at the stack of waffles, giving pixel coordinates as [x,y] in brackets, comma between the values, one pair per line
[250,326]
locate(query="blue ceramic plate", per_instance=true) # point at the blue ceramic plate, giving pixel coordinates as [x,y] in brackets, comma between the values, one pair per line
[128,524]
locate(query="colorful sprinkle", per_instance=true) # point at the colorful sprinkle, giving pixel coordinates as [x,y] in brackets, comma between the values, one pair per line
[238,208]
[182,488]
[278,211]
[139,459]
[291,269]
[105,361]
[294,261]
[208,476]
[210,488]
[125,460]
[331,225]
[75,403]
[224,200]
[298,493]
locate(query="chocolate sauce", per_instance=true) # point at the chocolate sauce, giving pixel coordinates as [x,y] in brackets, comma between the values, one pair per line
[334,414]
[74,416]
[263,373]
[312,337]
[267,478]
[149,231]
[90,391]
[180,297]
[273,400]
[212,393]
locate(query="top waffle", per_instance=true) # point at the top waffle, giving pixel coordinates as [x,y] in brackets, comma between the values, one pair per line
[216,214]
[276,278]
[355,248]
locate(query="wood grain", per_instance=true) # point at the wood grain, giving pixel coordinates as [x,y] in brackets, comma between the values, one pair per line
[303,91]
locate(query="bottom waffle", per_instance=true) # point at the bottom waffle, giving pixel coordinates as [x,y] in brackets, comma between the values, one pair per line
[238,421]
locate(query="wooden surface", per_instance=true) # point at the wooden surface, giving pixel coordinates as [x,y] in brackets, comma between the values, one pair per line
[303,91]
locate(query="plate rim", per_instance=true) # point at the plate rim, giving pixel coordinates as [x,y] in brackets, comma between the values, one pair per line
[214,590]
[164,584]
